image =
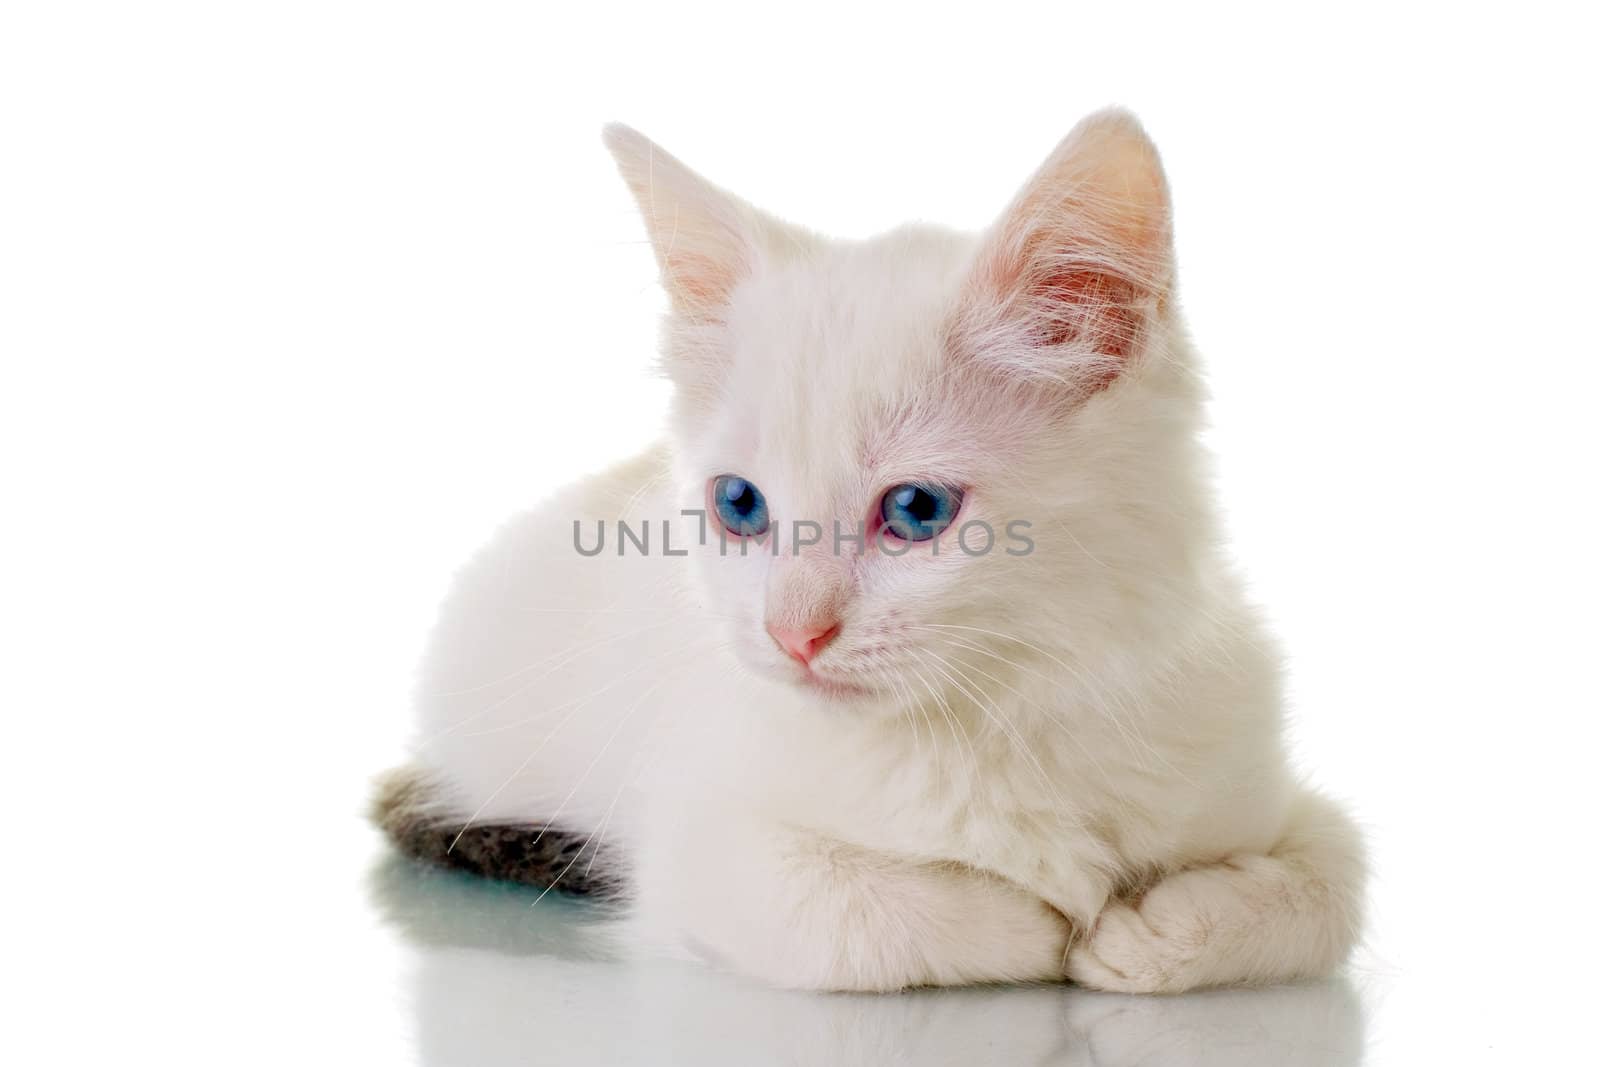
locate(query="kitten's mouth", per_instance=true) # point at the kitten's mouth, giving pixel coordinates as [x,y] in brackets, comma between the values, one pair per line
[807,679]
[831,687]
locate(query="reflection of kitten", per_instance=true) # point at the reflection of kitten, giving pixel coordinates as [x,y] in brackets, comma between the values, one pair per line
[495,979]
[874,765]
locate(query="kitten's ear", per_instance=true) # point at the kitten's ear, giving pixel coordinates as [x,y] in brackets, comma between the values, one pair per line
[706,240]
[1067,280]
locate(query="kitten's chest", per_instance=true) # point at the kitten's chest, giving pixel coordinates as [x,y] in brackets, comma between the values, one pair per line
[928,798]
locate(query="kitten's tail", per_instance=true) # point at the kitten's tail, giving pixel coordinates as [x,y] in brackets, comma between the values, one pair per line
[411,807]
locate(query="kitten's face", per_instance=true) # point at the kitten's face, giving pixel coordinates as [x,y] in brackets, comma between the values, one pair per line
[838,391]
[927,392]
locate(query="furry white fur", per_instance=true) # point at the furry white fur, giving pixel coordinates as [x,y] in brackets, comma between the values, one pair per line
[1060,764]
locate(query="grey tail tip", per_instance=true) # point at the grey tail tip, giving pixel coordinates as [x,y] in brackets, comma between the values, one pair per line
[410,807]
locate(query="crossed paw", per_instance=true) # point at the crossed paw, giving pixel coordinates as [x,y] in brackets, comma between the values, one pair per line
[1166,942]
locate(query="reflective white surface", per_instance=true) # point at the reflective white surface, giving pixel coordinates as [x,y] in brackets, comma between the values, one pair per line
[494,980]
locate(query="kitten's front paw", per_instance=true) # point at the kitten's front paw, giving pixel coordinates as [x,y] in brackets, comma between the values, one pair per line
[1156,945]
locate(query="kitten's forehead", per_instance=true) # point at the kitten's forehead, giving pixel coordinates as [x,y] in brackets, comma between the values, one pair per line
[829,346]
[840,305]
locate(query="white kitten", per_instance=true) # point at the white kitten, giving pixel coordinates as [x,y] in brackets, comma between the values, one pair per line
[896,761]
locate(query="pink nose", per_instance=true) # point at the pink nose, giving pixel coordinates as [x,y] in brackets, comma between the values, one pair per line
[802,643]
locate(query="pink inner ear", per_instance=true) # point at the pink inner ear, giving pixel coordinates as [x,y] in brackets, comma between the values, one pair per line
[1079,260]
[1096,310]
[699,281]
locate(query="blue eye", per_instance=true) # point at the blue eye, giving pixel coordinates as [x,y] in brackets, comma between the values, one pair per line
[740,506]
[918,512]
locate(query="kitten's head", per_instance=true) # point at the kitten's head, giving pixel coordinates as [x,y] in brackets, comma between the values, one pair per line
[1024,386]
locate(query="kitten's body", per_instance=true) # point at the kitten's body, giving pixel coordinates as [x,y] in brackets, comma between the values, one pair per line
[1067,763]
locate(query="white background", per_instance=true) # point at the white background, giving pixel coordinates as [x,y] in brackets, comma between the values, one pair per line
[297,300]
